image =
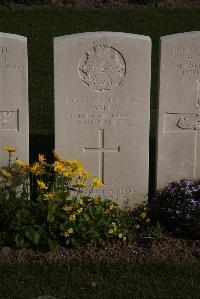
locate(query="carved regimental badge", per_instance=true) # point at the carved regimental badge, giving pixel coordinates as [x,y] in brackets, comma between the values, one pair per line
[102,68]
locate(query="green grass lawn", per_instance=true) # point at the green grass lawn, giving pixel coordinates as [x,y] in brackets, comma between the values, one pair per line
[156,280]
[41,26]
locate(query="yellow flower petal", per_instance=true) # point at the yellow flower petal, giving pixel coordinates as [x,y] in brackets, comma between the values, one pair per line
[49,196]
[66,234]
[70,230]
[41,158]
[97,182]
[42,185]
[59,167]
[143,215]
[10,149]
[56,156]
[82,173]
[72,217]
[5,174]
[37,169]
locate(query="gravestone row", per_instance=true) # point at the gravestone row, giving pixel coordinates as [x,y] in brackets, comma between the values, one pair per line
[102,102]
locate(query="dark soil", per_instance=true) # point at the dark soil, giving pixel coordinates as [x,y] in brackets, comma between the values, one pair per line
[167,249]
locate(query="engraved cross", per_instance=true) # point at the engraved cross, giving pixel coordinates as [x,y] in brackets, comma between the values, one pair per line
[186,122]
[101,150]
[4,115]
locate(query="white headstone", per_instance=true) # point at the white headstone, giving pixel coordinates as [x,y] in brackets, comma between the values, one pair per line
[178,146]
[102,91]
[14,120]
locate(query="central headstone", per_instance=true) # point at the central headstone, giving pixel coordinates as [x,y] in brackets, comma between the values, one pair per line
[14,120]
[102,91]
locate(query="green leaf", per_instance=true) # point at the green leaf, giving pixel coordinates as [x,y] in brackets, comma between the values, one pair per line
[52,243]
[36,237]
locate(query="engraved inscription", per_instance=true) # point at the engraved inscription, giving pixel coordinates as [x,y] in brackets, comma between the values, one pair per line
[125,194]
[102,68]
[101,149]
[190,122]
[6,62]
[185,122]
[186,61]
[102,111]
[9,120]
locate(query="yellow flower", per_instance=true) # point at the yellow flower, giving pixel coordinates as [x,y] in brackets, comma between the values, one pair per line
[66,234]
[59,167]
[148,220]
[41,158]
[22,165]
[143,215]
[10,149]
[74,165]
[49,196]
[83,173]
[145,209]
[111,206]
[41,185]
[37,169]
[114,226]
[120,235]
[72,217]
[96,182]
[56,156]
[70,230]
[124,239]
[5,174]
[111,231]
[81,201]
[80,210]
[68,173]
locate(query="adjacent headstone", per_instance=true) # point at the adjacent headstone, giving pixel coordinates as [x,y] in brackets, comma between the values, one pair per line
[102,91]
[178,146]
[14,120]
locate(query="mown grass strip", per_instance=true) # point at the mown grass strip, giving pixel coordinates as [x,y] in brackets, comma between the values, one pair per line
[100,280]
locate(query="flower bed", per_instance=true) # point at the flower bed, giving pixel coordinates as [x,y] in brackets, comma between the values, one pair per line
[46,205]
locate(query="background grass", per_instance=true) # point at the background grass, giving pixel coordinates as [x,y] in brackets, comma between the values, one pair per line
[113,280]
[42,26]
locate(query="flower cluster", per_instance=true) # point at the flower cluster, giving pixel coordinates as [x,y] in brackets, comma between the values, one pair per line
[69,171]
[177,207]
[63,210]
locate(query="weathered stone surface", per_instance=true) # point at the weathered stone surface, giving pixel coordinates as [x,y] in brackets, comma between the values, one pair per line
[14,120]
[102,90]
[178,146]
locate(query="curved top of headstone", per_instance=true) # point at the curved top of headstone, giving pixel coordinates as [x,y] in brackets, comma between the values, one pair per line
[181,35]
[102,34]
[13,36]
